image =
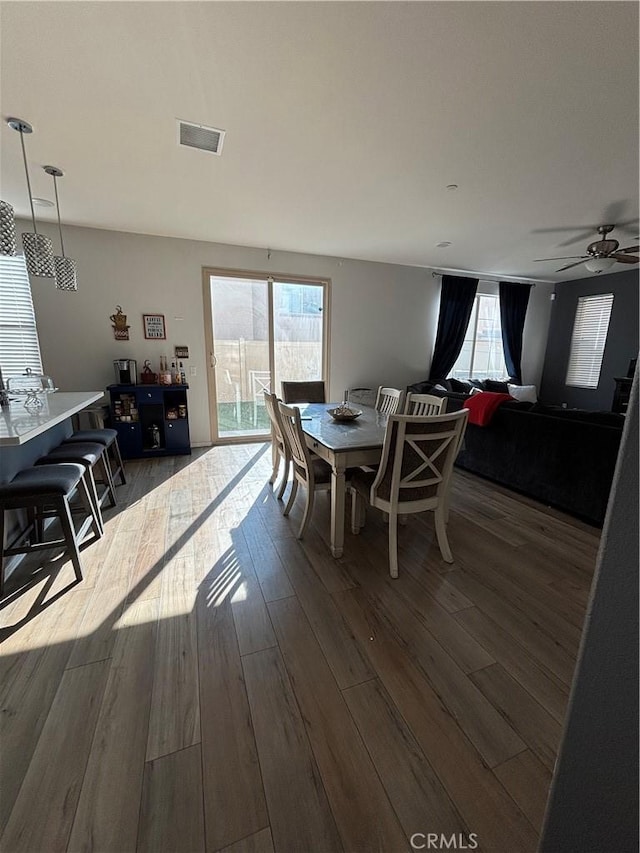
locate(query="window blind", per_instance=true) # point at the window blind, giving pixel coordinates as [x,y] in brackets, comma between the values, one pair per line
[19,345]
[589,336]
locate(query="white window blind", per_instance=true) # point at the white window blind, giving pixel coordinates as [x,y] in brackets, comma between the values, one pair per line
[589,336]
[19,345]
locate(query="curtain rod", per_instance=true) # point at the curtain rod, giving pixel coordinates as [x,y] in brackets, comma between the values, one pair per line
[496,281]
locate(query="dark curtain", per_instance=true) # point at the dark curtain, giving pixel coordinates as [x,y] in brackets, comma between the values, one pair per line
[514,299]
[456,304]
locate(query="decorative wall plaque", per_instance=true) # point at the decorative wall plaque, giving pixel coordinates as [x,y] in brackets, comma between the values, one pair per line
[120,328]
[154,328]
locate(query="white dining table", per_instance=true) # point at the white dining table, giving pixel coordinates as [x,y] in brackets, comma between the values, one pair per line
[343,444]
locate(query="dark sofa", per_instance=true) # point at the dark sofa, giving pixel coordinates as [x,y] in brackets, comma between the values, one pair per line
[563,457]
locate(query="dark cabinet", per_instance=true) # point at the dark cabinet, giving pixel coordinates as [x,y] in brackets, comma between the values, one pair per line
[621,394]
[151,420]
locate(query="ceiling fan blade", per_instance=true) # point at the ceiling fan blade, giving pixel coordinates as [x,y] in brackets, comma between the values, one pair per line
[568,266]
[568,258]
[625,259]
[629,249]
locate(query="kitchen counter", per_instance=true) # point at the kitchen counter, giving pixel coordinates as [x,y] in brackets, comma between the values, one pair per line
[25,435]
[19,425]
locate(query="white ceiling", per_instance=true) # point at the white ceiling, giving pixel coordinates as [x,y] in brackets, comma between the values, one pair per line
[344,124]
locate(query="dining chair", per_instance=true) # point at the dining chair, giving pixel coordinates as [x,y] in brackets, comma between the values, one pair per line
[389,400]
[362,396]
[303,392]
[260,383]
[425,405]
[414,475]
[309,470]
[279,444]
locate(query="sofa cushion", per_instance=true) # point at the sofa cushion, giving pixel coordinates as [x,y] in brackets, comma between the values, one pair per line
[495,386]
[460,385]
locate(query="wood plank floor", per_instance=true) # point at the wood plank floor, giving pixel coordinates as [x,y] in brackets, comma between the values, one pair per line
[214,684]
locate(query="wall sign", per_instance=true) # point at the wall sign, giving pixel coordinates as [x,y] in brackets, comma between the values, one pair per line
[154,328]
[182,352]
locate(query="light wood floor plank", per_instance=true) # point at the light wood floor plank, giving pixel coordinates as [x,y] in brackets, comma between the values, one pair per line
[536,726]
[344,655]
[412,786]
[474,790]
[232,785]
[260,842]
[44,809]
[175,706]
[299,811]
[107,815]
[271,574]
[363,814]
[527,780]
[171,817]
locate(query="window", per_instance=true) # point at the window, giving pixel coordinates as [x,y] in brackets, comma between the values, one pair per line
[481,356]
[588,339]
[19,345]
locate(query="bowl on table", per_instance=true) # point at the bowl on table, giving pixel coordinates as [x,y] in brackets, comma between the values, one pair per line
[344,412]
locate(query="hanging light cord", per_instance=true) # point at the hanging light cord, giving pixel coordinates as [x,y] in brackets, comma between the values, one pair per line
[26,171]
[55,187]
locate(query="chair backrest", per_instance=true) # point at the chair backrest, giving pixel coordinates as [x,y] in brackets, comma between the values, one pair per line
[425,404]
[260,382]
[389,400]
[362,396]
[303,392]
[271,403]
[294,436]
[417,460]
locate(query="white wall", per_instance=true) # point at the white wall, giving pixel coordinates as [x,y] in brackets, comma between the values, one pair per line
[383,316]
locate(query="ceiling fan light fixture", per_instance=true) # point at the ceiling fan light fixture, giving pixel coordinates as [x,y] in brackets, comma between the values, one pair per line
[599,264]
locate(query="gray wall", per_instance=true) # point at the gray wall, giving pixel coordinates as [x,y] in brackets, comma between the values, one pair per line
[593,804]
[621,346]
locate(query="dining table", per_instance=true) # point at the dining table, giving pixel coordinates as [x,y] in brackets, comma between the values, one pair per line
[343,444]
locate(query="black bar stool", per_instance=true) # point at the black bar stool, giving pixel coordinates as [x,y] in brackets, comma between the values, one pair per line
[108,437]
[42,492]
[92,455]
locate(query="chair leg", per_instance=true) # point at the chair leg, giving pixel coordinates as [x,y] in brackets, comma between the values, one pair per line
[85,497]
[292,497]
[2,511]
[357,512]
[93,497]
[68,529]
[393,544]
[275,462]
[441,534]
[285,478]
[119,463]
[108,478]
[308,507]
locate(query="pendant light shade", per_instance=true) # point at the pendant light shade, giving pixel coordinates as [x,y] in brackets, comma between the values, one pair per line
[38,249]
[66,275]
[7,229]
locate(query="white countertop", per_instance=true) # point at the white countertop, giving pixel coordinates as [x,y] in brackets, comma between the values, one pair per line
[18,425]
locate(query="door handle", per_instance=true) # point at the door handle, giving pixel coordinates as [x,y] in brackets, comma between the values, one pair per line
[213,359]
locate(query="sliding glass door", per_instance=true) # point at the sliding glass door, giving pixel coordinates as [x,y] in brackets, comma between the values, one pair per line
[260,330]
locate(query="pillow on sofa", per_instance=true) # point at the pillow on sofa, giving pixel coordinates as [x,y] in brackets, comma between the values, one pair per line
[460,386]
[524,393]
[494,385]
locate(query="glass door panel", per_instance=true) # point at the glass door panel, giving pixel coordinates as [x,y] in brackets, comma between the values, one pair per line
[298,331]
[240,319]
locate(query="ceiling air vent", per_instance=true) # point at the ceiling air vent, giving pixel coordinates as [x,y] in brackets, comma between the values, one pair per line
[199,136]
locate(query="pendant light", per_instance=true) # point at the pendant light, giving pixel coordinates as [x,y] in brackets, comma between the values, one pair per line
[7,229]
[66,278]
[38,249]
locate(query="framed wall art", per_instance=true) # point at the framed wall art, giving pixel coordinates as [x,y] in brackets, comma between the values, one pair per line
[154,328]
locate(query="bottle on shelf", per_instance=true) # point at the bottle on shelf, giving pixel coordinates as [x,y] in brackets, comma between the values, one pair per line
[183,375]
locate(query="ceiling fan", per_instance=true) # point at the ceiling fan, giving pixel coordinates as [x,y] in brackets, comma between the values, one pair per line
[601,254]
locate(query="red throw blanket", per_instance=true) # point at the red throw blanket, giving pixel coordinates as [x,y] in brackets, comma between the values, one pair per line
[482,406]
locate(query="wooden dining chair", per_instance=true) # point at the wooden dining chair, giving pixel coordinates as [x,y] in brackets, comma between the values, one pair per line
[414,475]
[389,400]
[425,405]
[304,392]
[309,470]
[279,444]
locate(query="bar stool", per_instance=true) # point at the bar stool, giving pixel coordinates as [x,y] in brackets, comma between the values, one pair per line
[108,437]
[91,455]
[42,492]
